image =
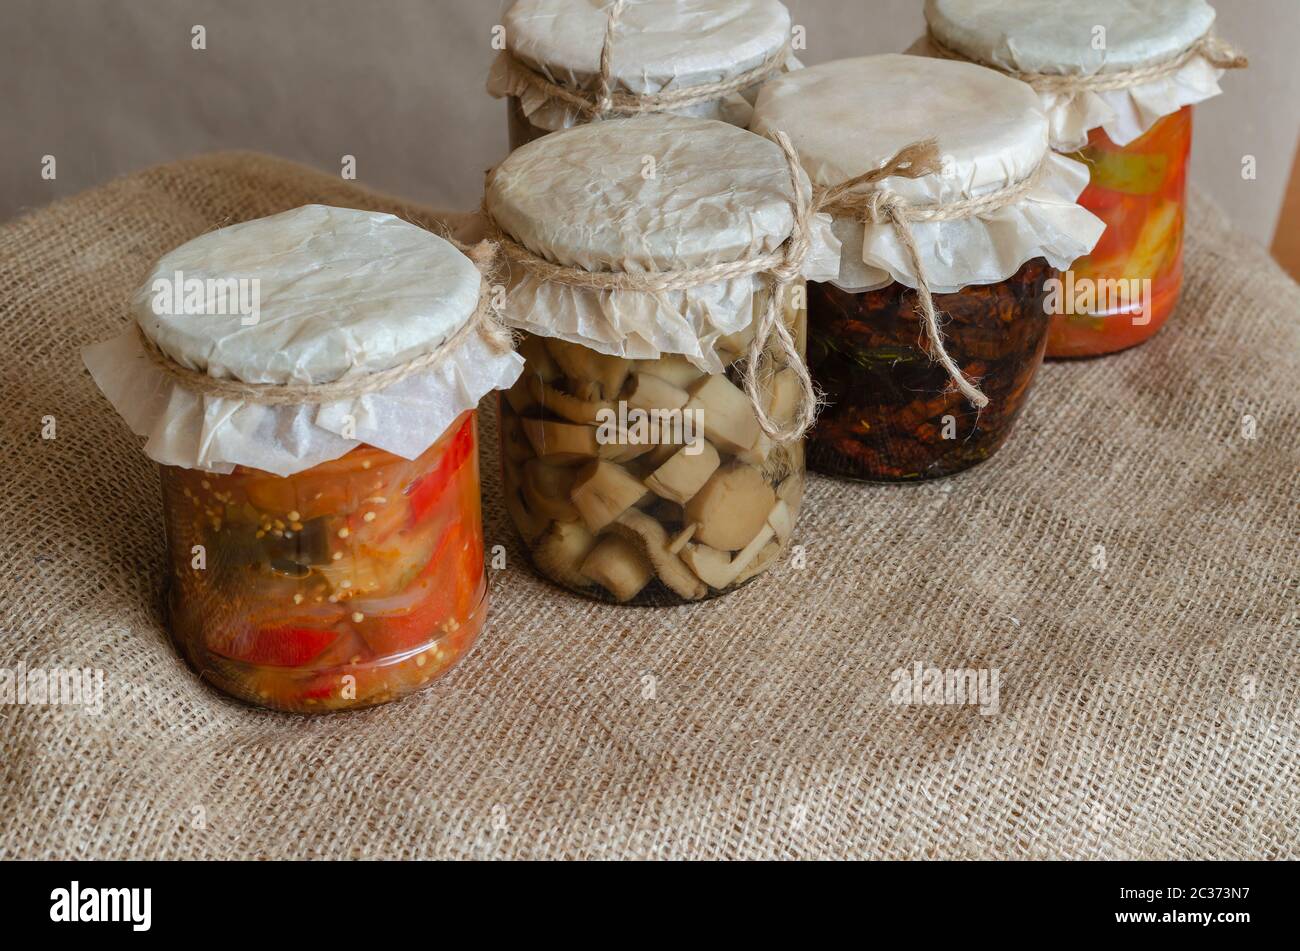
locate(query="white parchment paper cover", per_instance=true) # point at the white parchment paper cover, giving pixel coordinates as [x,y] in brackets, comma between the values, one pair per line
[660,46]
[340,293]
[1038,36]
[655,192]
[849,116]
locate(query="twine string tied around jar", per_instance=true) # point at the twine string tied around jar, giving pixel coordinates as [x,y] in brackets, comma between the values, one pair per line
[1215,51]
[484,322]
[782,266]
[605,101]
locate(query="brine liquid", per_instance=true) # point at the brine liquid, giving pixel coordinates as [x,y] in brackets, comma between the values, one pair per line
[639,515]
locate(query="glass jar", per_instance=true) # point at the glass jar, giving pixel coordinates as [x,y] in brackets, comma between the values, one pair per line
[1139,191]
[891,413]
[519,129]
[345,585]
[649,481]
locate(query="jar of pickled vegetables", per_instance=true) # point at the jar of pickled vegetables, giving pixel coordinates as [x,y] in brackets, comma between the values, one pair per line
[705,59]
[308,382]
[651,449]
[1118,79]
[927,339]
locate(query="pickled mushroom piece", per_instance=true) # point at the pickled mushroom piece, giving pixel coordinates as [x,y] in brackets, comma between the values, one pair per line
[678,541]
[646,532]
[529,523]
[562,550]
[732,507]
[756,455]
[782,521]
[571,408]
[515,445]
[673,368]
[733,347]
[603,491]
[761,563]
[685,473]
[783,396]
[547,489]
[560,442]
[710,565]
[645,391]
[720,569]
[621,450]
[583,365]
[726,413]
[618,566]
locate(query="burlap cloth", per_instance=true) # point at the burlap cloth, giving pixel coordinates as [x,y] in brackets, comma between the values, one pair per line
[1146,710]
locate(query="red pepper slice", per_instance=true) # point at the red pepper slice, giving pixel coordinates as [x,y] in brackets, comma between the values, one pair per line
[443,591]
[423,493]
[285,645]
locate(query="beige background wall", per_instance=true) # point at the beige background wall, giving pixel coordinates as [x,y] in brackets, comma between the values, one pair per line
[107,87]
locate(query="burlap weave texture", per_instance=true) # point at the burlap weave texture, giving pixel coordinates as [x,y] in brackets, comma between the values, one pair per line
[1147,708]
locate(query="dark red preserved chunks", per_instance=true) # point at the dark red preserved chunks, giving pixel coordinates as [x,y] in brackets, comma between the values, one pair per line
[425,492]
[887,400]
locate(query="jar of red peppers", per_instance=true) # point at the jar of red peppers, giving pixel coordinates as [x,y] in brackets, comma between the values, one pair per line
[705,59]
[651,449]
[927,339]
[307,383]
[1118,79]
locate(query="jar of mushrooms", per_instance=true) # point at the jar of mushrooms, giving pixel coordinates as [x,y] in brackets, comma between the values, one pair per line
[636,468]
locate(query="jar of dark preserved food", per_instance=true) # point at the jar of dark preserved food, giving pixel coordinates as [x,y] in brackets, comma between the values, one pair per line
[891,414]
[938,177]
[307,383]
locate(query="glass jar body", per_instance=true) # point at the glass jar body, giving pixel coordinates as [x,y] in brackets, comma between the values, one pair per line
[346,585]
[649,481]
[1134,276]
[519,129]
[892,413]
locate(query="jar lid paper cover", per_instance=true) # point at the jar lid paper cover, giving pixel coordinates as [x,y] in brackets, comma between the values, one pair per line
[659,46]
[309,296]
[651,193]
[850,116]
[1085,39]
